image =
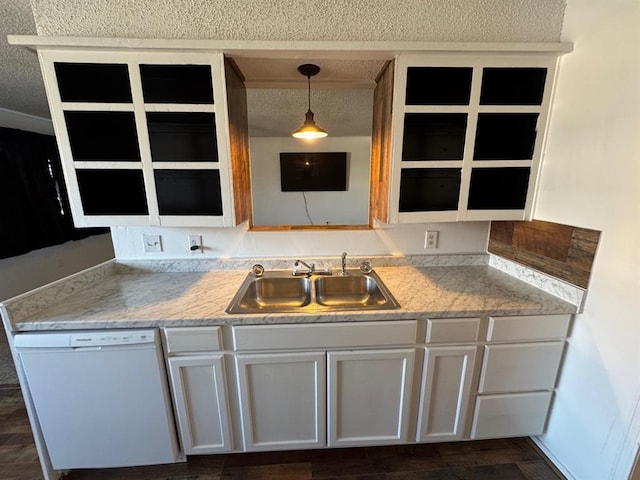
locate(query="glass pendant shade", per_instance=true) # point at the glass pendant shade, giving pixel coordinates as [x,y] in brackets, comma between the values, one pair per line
[309,129]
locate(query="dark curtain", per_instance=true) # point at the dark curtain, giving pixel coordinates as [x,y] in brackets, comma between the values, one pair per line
[34,209]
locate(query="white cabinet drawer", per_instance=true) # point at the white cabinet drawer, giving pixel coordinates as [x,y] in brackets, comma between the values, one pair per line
[324,335]
[510,415]
[193,339]
[521,367]
[448,330]
[528,327]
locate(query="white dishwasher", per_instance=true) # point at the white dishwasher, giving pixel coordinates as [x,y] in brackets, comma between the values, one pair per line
[101,397]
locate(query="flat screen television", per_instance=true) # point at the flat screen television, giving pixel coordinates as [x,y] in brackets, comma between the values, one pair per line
[313,171]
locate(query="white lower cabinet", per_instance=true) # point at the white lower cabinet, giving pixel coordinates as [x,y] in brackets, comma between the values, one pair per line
[519,373]
[282,400]
[510,415]
[520,367]
[447,379]
[369,396]
[347,384]
[515,389]
[200,399]
[287,401]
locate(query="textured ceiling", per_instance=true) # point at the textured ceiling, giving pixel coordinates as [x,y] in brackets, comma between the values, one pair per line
[274,110]
[278,112]
[21,85]
[341,95]
[412,20]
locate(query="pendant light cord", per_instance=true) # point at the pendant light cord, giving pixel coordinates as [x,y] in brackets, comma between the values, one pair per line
[309,91]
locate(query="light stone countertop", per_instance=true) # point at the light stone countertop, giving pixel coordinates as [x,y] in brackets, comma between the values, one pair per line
[117,299]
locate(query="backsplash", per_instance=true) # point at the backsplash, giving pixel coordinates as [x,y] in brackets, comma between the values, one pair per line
[562,251]
[238,242]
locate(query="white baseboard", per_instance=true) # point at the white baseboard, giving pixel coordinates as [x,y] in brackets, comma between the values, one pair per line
[557,463]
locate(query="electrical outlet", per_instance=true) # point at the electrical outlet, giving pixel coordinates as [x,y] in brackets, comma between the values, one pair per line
[431,239]
[195,244]
[152,243]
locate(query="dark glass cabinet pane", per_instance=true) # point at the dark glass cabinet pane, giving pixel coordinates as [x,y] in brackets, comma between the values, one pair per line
[505,136]
[498,188]
[434,136]
[188,192]
[176,83]
[438,85]
[93,82]
[512,86]
[182,137]
[112,192]
[102,136]
[429,189]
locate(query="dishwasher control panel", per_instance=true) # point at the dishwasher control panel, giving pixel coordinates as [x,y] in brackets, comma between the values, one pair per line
[103,339]
[89,338]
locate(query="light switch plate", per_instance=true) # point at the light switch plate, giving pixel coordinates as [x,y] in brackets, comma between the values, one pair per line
[151,243]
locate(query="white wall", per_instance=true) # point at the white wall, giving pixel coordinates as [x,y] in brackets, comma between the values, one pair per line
[455,238]
[271,206]
[591,178]
[39,267]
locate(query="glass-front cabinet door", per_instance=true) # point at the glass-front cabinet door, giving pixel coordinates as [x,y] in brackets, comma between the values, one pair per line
[143,136]
[467,135]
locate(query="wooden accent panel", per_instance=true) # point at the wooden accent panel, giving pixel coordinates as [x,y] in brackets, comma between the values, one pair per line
[238,140]
[559,250]
[381,145]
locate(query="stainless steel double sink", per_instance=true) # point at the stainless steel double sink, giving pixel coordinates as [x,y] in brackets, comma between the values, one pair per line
[281,292]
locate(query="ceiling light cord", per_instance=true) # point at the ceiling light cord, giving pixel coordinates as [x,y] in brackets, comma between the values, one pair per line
[309,129]
[309,93]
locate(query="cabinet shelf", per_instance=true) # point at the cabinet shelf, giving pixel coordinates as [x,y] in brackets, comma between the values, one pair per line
[182,136]
[176,83]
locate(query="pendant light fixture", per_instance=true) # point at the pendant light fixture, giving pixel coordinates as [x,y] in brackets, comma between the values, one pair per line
[309,129]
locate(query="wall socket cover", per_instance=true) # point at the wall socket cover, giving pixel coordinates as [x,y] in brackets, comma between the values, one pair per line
[431,239]
[195,244]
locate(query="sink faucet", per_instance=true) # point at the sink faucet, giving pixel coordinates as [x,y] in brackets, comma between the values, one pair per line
[343,265]
[311,268]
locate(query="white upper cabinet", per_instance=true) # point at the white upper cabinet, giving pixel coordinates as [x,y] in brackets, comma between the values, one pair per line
[144,136]
[467,135]
[155,132]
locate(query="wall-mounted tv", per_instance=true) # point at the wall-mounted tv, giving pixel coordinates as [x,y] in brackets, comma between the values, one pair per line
[313,171]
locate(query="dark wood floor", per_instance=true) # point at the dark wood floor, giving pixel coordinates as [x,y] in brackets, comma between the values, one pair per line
[510,459]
